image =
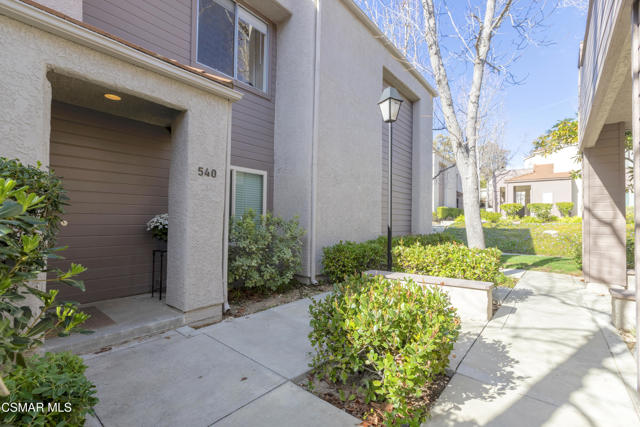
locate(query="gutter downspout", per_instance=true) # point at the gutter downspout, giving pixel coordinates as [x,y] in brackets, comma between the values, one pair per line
[314,146]
[225,222]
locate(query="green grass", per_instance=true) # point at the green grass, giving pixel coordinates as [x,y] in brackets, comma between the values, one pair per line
[552,264]
[527,238]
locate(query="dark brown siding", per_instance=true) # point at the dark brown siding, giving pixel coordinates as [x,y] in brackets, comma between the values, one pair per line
[253,123]
[163,26]
[402,170]
[116,172]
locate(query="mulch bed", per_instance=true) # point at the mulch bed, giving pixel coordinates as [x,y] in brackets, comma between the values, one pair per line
[339,394]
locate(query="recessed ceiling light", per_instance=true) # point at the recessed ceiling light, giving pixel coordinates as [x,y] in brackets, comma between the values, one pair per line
[112,97]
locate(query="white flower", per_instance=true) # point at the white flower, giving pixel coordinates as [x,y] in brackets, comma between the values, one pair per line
[160,221]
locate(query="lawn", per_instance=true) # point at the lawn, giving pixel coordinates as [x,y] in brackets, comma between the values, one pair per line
[527,238]
[550,264]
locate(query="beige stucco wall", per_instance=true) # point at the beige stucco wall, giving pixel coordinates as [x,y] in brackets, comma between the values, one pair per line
[353,66]
[200,138]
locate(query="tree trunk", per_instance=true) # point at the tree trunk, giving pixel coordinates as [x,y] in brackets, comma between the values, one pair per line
[494,191]
[471,201]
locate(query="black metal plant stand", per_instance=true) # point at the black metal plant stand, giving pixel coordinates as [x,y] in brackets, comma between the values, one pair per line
[160,253]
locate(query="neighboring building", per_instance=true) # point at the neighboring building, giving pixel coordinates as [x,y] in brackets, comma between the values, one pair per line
[447,186]
[544,179]
[268,105]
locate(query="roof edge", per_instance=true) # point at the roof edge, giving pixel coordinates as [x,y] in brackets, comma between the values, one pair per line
[61,25]
[399,56]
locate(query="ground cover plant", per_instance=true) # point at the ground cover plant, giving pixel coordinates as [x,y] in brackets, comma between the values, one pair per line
[388,340]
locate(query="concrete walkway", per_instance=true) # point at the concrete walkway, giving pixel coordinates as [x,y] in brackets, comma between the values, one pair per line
[548,357]
[234,373]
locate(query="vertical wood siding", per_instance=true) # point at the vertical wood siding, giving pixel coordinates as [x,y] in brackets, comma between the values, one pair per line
[116,173]
[604,242]
[402,170]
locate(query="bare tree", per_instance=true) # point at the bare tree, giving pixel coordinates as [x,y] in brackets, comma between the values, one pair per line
[493,161]
[456,47]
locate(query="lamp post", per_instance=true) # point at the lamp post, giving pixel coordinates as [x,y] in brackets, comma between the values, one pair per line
[390,102]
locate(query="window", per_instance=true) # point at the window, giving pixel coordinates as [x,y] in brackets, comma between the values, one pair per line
[248,191]
[232,41]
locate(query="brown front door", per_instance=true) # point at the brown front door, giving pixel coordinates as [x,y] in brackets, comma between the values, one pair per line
[116,173]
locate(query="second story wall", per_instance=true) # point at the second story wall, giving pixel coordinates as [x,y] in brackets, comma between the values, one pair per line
[168,27]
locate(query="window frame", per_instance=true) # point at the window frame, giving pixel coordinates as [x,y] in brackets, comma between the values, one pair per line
[267,45]
[234,170]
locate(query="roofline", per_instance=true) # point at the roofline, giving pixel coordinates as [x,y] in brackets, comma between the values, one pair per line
[539,179]
[61,25]
[399,56]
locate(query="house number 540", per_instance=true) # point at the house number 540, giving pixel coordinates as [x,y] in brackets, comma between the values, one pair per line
[207,172]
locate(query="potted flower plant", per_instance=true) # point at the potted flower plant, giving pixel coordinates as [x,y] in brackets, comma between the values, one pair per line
[159,226]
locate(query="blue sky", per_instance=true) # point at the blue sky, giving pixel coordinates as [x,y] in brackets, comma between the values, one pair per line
[550,91]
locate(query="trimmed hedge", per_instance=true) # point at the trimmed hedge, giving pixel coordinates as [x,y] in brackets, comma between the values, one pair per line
[346,258]
[390,339]
[565,208]
[452,259]
[448,213]
[511,209]
[492,217]
[541,210]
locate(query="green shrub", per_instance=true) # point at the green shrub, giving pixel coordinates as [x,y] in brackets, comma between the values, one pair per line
[492,217]
[347,258]
[565,208]
[448,213]
[530,220]
[452,260]
[434,216]
[392,337]
[570,220]
[541,210]
[459,219]
[512,209]
[630,248]
[264,252]
[31,203]
[576,251]
[49,379]
[630,215]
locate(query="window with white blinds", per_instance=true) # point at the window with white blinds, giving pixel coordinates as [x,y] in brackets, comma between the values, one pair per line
[248,192]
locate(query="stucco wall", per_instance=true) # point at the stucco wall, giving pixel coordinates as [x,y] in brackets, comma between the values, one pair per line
[196,205]
[348,151]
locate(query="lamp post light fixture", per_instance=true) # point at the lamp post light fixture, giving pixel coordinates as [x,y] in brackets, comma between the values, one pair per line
[390,102]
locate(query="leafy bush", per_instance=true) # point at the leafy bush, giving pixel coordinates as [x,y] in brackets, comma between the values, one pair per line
[459,219]
[512,209]
[576,252]
[346,258]
[492,217]
[453,260]
[565,208]
[434,216]
[31,202]
[570,220]
[530,220]
[630,215]
[630,249]
[392,337]
[448,213]
[265,251]
[541,210]
[49,379]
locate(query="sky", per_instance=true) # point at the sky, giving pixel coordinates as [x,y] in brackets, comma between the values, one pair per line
[547,73]
[550,90]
